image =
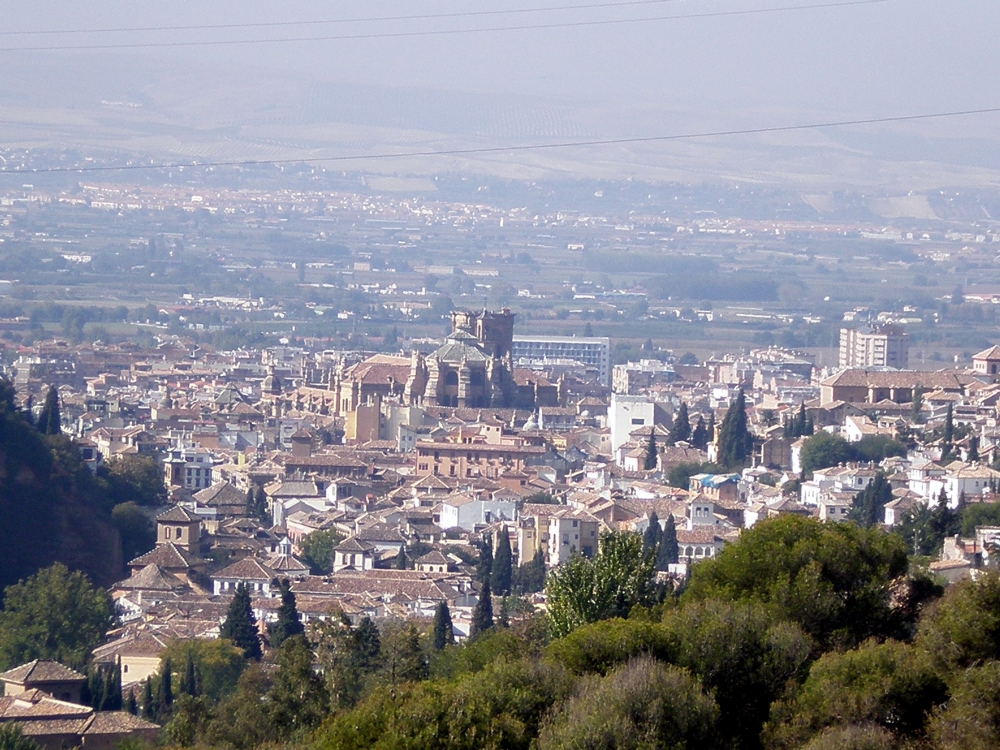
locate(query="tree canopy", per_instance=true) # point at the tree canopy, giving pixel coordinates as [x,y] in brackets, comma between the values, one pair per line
[54,614]
[735,443]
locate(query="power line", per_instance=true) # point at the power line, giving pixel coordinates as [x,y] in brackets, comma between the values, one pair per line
[506,149]
[444,32]
[362,19]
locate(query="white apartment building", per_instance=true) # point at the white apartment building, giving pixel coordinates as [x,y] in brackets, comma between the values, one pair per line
[881,346]
[593,351]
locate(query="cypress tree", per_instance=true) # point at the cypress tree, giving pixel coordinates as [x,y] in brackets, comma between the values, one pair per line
[482,614]
[240,626]
[189,681]
[400,561]
[148,709]
[288,623]
[485,566]
[651,538]
[711,427]
[650,461]
[699,438]
[735,441]
[500,574]
[165,692]
[667,553]
[973,449]
[870,502]
[681,430]
[250,509]
[949,433]
[130,705]
[49,420]
[443,633]
[113,700]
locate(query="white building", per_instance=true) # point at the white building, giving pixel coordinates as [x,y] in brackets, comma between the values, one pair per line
[626,414]
[593,352]
[466,511]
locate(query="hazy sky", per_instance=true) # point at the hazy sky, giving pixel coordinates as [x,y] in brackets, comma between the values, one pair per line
[900,55]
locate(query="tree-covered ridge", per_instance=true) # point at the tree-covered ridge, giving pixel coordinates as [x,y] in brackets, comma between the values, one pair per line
[51,507]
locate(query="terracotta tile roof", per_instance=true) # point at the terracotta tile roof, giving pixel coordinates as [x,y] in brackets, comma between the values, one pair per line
[168,556]
[247,569]
[177,514]
[41,670]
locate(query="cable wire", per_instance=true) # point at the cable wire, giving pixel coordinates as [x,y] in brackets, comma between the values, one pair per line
[443,32]
[507,149]
[368,19]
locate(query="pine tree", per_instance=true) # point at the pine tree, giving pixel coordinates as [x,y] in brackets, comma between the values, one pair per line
[484,568]
[288,623]
[681,430]
[148,709]
[651,538]
[482,614]
[443,633]
[500,574]
[699,437]
[650,461]
[49,420]
[667,553]
[240,626]
[735,441]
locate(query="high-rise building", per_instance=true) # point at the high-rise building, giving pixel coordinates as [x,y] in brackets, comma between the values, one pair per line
[878,346]
[592,351]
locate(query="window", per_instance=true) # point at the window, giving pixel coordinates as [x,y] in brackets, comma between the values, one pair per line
[179,531]
[124,668]
[639,420]
[166,533]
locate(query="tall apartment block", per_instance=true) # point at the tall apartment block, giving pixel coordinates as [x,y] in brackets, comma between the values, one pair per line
[878,346]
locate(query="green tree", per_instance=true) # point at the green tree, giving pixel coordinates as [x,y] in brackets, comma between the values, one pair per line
[240,625]
[135,528]
[367,645]
[681,429]
[148,703]
[917,405]
[317,550]
[823,450]
[298,700]
[948,435]
[651,537]
[743,658]
[964,629]
[971,718]
[889,684]
[443,633]
[49,419]
[217,665]
[979,514]
[642,704]
[482,613]
[484,568]
[164,690]
[530,576]
[54,614]
[403,659]
[735,443]
[137,479]
[869,504]
[649,462]
[288,623]
[832,579]
[190,679]
[699,437]
[501,570]
[582,590]
[668,552]
[12,738]
[400,563]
